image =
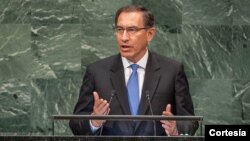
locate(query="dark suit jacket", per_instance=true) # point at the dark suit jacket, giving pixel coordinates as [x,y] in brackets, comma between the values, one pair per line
[165,81]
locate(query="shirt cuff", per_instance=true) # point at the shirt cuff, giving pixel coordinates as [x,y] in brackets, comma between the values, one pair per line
[93,128]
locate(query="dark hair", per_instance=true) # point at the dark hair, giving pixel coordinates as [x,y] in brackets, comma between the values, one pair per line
[147,15]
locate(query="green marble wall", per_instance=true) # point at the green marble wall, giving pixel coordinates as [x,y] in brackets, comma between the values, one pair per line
[46,44]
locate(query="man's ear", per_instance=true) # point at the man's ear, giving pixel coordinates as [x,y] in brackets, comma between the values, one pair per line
[150,34]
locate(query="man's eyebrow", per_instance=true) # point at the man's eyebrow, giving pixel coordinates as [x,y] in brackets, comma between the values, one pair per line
[132,27]
[127,26]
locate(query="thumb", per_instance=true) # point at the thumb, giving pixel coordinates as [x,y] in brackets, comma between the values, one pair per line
[168,108]
[96,96]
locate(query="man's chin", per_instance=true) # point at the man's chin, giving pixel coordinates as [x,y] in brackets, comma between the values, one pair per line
[126,55]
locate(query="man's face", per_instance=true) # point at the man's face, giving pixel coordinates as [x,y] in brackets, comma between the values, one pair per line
[133,41]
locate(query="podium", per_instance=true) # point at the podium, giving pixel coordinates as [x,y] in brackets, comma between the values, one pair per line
[110,138]
[99,138]
[152,118]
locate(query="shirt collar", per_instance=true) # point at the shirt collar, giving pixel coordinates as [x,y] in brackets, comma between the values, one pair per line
[142,62]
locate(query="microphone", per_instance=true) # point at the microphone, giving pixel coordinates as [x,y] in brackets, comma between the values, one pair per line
[110,100]
[151,110]
[112,95]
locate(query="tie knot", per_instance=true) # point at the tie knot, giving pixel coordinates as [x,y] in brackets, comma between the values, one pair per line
[134,67]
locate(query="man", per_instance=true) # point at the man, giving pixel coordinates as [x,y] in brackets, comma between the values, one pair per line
[159,81]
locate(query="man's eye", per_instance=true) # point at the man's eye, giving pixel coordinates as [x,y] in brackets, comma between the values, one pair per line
[132,29]
[119,29]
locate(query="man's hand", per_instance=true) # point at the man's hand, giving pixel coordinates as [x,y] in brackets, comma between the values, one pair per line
[169,125]
[101,107]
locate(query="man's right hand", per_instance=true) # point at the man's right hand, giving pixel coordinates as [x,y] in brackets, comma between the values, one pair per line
[101,107]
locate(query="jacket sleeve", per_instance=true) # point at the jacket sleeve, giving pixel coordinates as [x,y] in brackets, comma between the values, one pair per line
[84,106]
[184,104]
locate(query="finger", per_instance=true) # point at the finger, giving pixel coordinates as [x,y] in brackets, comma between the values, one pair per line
[107,111]
[99,104]
[96,97]
[165,128]
[168,126]
[166,122]
[103,106]
[168,108]
[168,111]
[162,121]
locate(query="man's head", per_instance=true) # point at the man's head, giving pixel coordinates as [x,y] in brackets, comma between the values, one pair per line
[134,30]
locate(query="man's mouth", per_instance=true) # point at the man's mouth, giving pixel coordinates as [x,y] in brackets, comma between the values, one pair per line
[125,46]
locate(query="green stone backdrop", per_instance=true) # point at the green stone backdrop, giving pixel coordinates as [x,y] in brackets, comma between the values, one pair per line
[46,44]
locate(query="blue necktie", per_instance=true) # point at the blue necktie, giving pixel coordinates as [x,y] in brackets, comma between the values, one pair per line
[133,90]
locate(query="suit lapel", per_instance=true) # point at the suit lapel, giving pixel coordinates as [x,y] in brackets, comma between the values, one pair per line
[151,80]
[118,83]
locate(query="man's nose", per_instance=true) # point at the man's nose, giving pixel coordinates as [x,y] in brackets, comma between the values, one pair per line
[125,36]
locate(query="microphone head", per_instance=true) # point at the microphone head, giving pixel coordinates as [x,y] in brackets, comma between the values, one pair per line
[113,92]
[147,93]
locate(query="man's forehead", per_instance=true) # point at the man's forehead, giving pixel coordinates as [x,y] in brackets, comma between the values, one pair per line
[130,18]
[138,13]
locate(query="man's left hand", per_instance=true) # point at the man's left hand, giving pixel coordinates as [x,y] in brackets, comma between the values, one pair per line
[169,125]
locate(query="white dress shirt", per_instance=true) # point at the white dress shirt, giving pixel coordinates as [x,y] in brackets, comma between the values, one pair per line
[140,71]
